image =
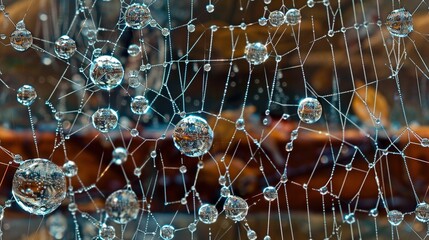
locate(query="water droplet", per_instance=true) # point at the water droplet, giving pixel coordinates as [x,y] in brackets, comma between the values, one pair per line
[270,193]
[293,16]
[119,155]
[65,47]
[122,206]
[107,232]
[46,182]
[256,53]
[167,232]
[26,95]
[193,136]
[106,72]
[395,217]
[422,212]
[137,16]
[309,110]
[70,169]
[235,208]
[139,105]
[208,214]
[400,22]
[210,8]
[133,50]
[105,119]
[276,18]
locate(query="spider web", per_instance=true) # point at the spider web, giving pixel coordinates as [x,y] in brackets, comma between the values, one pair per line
[337,178]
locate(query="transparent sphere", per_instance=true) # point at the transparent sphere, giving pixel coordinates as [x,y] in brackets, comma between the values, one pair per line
[119,155]
[373,212]
[122,206]
[251,235]
[350,218]
[309,110]
[256,53]
[133,50]
[225,192]
[293,16]
[239,124]
[193,136]
[166,232]
[395,217]
[26,95]
[106,72]
[70,169]
[105,119]
[107,232]
[400,22]
[65,47]
[139,105]
[137,16]
[276,18]
[192,227]
[422,212]
[270,193]
[208,214]
[235,208]
[39,186]
[21,39]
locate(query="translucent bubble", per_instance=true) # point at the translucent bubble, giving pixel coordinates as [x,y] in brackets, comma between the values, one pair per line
[293,16]
[139,105]
[106,72]
[107,232]
[309,110]
[222,180]
[105,119]
[59,116]
[208,214]
[395,217]
[57,225]
[122,206]
[134,132]
[350,218]
[133,50]
[137,16]
[167,232]
[17,159]
[119,155]
[191,28]
[72,207]
[165,32]
[225,192]
[251,235]
[96,53]
[65,47]
[267,237]
[26,95]
[267,1]
[239,124]
[373,212]
[193,136]
[39,186]
[310,3]
[210,8]
[323,190]
[422,212]
[424,142]
[21,39]
[183,169]
[262,21]
[207,67]
[70,169]
[400,22]
[235,208]
[270,193]
[192,227]
[276,18]
[256,53]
